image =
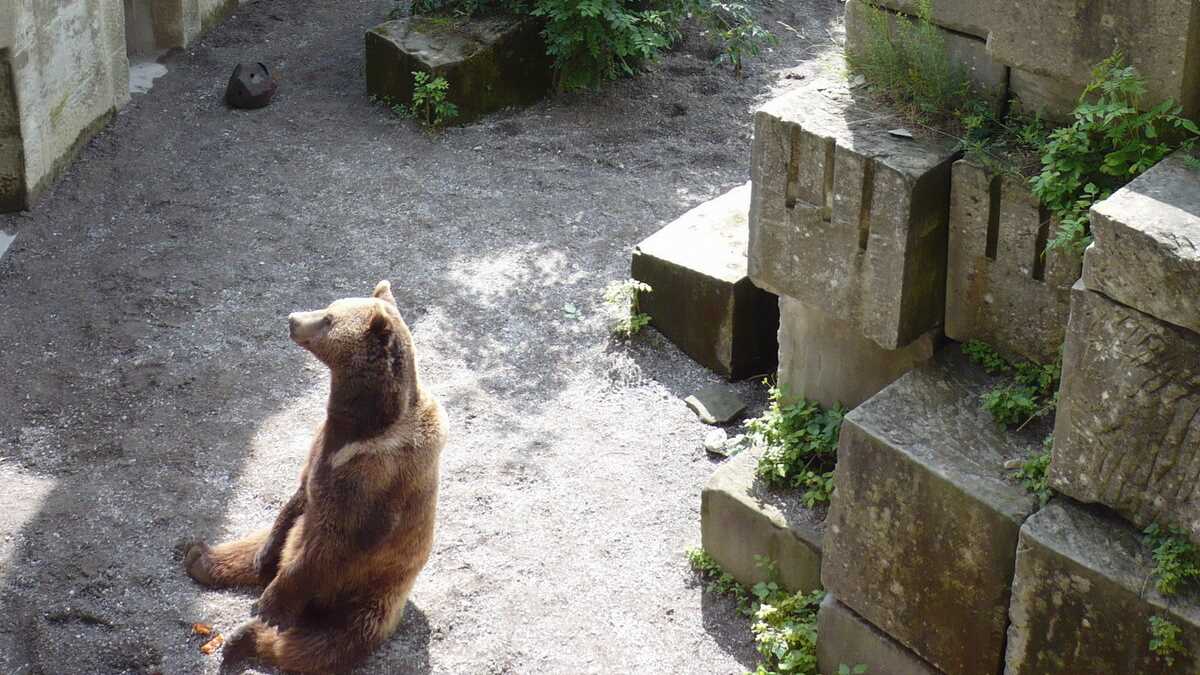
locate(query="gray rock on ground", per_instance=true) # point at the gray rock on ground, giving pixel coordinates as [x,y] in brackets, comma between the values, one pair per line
[826,360]
[845,638]
[716,404]
[1082,599]
[741,518]
[847,218]
[922,531]
[1146,252]
[1002,287]
[703,299]
[1127,432]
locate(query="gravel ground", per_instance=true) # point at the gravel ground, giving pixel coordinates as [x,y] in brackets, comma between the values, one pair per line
[150,394]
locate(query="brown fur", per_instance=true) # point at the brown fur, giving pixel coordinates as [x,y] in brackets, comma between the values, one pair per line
[343,554]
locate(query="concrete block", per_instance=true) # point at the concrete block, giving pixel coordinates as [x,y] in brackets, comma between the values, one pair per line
[964,16]
[1063,40]
[1146,253]
[847,218]
[1054,99]
[1081,602]
[490,62]
[703,299]
[741,518]
[826,360]
[844,637]
[922,532]
[1127,432]
[1001,286]
[988,76]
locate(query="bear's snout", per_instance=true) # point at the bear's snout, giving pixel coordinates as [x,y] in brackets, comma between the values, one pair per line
[303,326]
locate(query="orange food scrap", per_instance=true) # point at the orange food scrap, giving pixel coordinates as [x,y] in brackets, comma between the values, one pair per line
[212,645]
[201,629]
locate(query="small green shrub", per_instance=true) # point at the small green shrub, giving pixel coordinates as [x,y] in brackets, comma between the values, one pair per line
[784,624]
[1109,143]
[622,300]
[907,63]
[800,445]
[1176,558]
[735,29]
[1032,390]
[1032,473]
[985,355]
[596,40]
[429,99]
[1164,639]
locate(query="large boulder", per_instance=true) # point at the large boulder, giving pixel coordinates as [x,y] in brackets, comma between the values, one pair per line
[848,218]
[1002,287]
[1127,433]
[703,299]
[1082,600]
[922,533]
[491,62]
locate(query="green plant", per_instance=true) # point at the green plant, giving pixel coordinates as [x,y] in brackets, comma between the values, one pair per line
[736,30]
[1176,558]
[1109,143]
[905,60]
[1011,405]
[429,99]
[1032,473]
[596,40]
[985,355]
[622,300]
[1031,391]
[1164,639]
[800,441]
[719,581]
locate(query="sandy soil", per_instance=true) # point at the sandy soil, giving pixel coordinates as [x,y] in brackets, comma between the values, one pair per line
[150,394]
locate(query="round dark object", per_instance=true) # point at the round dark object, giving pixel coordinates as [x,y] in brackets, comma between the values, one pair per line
[250,86]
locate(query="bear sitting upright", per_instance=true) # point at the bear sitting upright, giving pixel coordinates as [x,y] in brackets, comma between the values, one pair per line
[343,554]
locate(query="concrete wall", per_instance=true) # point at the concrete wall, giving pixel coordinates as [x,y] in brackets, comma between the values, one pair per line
[154,25]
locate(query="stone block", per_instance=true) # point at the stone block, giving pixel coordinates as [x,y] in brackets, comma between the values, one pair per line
[1081,602]
[703,299]
[1127,432]
[826,360]
[1064,39]
[1001,285]
[964,16]
[741,518]
[844,637]
[1054,99]
[922,533]
[1146,253]
[988,76]
[847,218]
[490,62]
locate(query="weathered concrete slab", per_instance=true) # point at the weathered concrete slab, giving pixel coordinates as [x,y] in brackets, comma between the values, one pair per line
[1001,285]
[740,518]
[988,76]
[490,62]
[1064,39]
[1081,602]
[1147,244]
[703,298]
[844,637]
[826,360]
[1127,433]
[848,218]
[715,404]
[1054,99]
[923,528]
[965,16]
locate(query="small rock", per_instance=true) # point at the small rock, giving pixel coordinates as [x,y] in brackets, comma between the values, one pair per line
[250,86]
[714,441]
[900,133]
[715,404]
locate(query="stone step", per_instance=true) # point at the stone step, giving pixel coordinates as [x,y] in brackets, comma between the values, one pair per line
[1001,286]
[922,532]
[1082,600]
[741,518]
[848,218]
[845,638]
[1127,432]
[826,360]
[703,299]
[491,62]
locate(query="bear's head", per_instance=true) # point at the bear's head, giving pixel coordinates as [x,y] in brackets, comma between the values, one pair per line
[361,338]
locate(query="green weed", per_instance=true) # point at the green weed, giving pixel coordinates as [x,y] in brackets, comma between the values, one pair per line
[1164,639]
[622,300]
[1176,558]
[429,99]
[800,441]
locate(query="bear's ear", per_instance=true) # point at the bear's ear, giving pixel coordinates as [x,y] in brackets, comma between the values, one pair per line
[383,291]
[381,324]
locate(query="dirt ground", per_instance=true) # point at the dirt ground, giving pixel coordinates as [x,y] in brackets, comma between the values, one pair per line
[149,393]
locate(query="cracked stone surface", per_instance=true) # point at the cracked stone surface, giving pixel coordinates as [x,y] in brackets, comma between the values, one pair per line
[150,394]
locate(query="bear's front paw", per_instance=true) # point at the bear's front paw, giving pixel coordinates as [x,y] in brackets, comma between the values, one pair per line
[240,644]
[196,562]
[276,609]
[266,562]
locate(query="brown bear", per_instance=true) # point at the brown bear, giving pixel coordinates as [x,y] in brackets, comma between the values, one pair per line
[343,554]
